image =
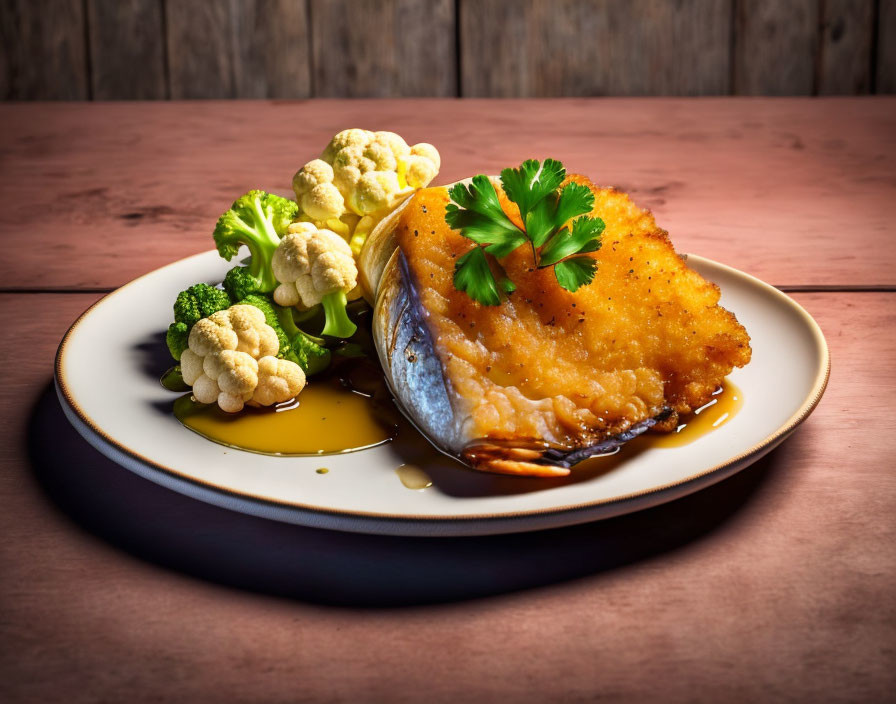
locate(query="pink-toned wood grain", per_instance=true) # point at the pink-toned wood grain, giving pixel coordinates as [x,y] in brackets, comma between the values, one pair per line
[788,598]
[800,192]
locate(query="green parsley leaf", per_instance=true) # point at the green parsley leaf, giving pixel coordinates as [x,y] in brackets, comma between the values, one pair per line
[575,272]
[575,199]
[540,221]
[480,197]
[501,238]
[552,212]
[545,210]
[507,286]
[583,236]
[532,182]
[473,276]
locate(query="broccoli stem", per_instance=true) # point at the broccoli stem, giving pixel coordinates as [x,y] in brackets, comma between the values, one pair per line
[337,320]
[261,240]
[313,356]
[287,321]
[262,246]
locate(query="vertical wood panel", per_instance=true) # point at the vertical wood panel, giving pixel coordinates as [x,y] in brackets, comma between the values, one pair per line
[776,43]
[42,50]
[494,61]
[594,47]
[127,49]
[886,47]
[379,48]
[272,55]
[200,49]
[136,49]
[844,66]
[238,48]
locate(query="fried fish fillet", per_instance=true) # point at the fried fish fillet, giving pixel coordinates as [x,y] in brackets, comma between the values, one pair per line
[550,377]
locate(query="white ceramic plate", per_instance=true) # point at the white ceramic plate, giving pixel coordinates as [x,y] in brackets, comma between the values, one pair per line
[113,397]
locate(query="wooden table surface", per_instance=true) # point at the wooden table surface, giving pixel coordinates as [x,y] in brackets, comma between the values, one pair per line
[775,585]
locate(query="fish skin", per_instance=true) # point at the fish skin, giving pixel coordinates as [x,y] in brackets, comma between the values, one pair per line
[412,368]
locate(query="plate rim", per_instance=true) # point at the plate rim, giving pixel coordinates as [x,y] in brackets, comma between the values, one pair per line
[808,405]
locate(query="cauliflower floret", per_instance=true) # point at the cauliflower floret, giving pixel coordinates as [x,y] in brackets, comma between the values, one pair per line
[394,142]
[372,173]
[312,174]
[347,138]
[310,264]
[427,151]
[316,266]
[278,380]
[381,155]
[323,202]
[222,361]
[422,165]
[316,194]
[374,191]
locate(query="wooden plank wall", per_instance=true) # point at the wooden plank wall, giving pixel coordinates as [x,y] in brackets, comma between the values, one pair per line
[158,49]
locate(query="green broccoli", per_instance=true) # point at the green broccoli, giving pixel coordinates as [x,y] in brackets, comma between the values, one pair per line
[192,305]
[239,283]
[176,338]
[313,356]
[295,345]
[257,220]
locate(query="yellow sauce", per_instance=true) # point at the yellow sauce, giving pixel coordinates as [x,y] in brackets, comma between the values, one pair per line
[727,401]
[413,477]
[326,418]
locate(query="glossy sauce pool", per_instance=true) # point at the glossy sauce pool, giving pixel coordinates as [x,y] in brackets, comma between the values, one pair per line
[727,401]
[331,415]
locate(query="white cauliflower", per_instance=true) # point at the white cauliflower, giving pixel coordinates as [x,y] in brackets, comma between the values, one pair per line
[316,266]
[318,198]
[231,360]
[359,178]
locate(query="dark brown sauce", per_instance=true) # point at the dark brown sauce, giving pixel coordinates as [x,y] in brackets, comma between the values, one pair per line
[335,414]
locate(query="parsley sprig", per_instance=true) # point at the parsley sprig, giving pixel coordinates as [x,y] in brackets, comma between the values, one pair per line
[545,209]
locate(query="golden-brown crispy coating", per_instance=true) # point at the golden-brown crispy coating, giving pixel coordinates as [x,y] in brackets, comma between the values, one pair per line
[573,369]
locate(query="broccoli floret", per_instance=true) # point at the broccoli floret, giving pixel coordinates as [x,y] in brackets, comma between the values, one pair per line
[176,339]
[191,306]
[239,283]
[257,220]
[295,345]
[198,302]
